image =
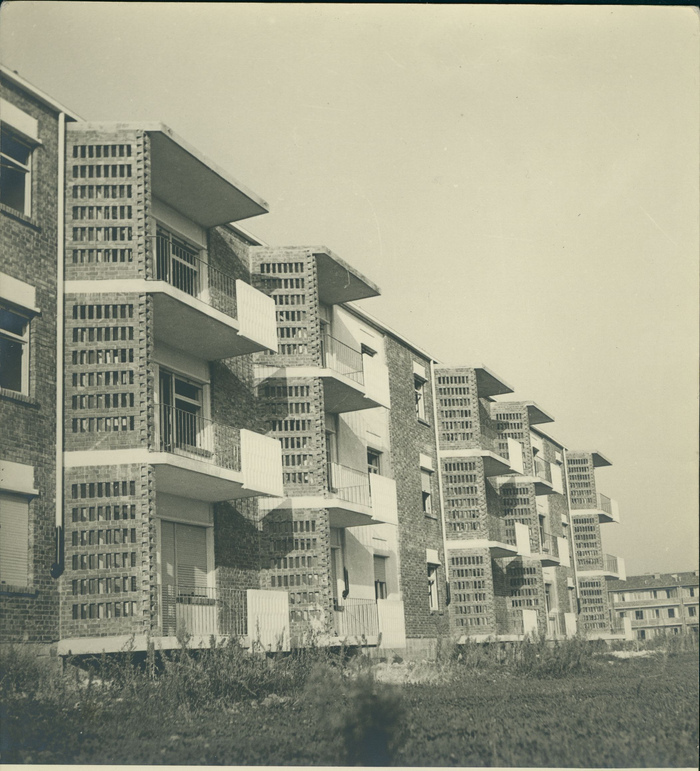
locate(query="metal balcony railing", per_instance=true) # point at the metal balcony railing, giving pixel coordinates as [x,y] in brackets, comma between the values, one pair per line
[356,618]
[554,624]
[342,359]
[549,544]
[543,470]
[610,563]
[349,484]
[203,610]
[605,504]
[178,264]
[187,433]
[499,531]
[510,622]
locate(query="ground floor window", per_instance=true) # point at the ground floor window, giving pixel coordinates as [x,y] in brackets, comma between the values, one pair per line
[14,540]
[433,599]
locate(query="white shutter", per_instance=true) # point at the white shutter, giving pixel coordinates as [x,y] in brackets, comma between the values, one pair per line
[191,549]
[14,540]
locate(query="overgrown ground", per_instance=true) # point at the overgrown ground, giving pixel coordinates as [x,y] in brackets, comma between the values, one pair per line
[567,706]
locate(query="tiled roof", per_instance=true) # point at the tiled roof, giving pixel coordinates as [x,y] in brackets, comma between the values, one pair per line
[655,581]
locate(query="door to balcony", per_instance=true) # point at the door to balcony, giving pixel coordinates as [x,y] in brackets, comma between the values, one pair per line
[182,428]
[188,603]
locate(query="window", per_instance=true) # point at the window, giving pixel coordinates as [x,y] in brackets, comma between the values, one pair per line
[14,351]
[419,389]
[380,591]
[426,491]
[639,614]
[692,611]
[433,600]
[657,613]
[15,171]
[374,462]
[671,612]
[14,543]
[641,634]
[692,591]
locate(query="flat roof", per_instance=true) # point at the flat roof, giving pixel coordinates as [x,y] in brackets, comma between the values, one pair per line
[188,180]
[547,435]
[37,93]
[337,278]
[537,415]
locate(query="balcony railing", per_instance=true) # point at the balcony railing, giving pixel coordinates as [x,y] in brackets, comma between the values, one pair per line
[549,544]
[554,625]
[510,622]
[178,265]
[543,470]
[500,531]
[610,564]
[187,433]
[349,484]
[203,610]
[356,618]
[342,358]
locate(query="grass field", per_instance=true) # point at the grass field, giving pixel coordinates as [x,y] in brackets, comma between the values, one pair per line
[569,706]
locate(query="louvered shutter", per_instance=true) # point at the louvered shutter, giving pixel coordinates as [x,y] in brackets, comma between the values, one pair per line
[191,549]
[167,552]
[14,540]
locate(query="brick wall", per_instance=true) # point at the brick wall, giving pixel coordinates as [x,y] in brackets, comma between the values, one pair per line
[29,253]
[416,531]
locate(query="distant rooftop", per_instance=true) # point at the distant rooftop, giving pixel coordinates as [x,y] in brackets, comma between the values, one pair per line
[655,581]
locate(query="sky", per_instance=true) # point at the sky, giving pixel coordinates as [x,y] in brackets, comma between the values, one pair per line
[521,182]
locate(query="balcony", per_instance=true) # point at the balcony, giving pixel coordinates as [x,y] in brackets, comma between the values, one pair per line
[549,550]
[494,465]
[356,620]
[197,458]
[358,498]
[351,381]
[501,540]
[605,566]
[203,611]
[543,477]
[204,311]
[605,508]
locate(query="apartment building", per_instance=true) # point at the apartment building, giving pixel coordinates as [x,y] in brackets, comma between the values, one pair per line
[589,509]
[657,604]
[32,127]
[207,435]
[503,487]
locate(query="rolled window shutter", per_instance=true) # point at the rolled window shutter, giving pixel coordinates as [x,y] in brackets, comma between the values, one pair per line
[14,540]
[380,569]
[191,545]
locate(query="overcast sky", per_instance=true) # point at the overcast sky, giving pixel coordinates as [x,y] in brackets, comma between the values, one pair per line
[521,181]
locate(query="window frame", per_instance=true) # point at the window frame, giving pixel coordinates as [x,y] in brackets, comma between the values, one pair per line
[25,341]
[26,169]
[371,467]
[433,593]
[427,495]
[419,395]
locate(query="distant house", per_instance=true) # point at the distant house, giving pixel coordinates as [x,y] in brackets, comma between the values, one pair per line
[658,603]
